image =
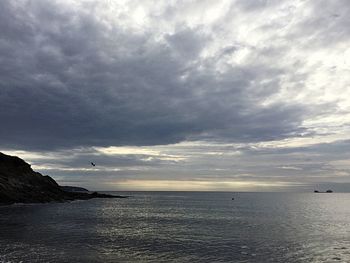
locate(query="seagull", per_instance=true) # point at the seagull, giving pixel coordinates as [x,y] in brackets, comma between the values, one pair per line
[93,164]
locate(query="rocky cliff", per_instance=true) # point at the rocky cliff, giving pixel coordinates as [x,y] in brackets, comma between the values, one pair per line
[20,184]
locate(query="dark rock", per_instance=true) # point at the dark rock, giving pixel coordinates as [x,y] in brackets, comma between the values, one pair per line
[20,184]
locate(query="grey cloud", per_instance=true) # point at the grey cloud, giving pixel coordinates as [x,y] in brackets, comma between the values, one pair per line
[70,80]
[106,162]
[186,42]
[327,23]
[254,5]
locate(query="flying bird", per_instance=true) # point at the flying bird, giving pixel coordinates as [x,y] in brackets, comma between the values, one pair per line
[93,164]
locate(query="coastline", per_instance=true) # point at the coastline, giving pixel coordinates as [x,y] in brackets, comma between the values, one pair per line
[20,184]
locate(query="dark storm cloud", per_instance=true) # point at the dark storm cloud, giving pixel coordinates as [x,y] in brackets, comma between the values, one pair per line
[69,78]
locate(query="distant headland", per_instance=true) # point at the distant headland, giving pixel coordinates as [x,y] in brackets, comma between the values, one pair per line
[20,184]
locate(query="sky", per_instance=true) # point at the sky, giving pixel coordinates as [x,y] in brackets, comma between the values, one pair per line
[237,95]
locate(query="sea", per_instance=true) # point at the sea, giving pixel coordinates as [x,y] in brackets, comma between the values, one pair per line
[180,227]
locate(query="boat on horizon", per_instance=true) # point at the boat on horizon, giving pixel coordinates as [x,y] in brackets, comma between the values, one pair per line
[328,191]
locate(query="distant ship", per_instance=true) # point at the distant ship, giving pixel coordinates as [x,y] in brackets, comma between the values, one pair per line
[328,191]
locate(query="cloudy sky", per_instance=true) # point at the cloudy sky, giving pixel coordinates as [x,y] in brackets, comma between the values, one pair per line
[244,95]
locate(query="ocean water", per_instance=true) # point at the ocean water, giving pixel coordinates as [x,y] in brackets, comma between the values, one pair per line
[181,227]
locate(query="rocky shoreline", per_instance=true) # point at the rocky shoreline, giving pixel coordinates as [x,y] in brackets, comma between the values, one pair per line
[20,184]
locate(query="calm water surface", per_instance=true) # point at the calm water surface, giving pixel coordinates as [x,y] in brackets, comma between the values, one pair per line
[181,227]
